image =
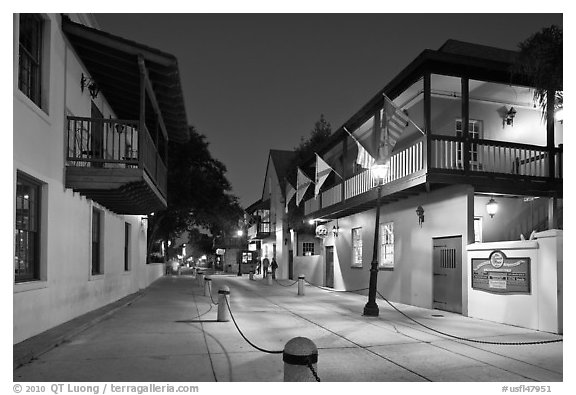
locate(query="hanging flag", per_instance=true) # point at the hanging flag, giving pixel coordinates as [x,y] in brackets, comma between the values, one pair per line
[322,172]
[302,184]
[290,192]
[395,122]
[364,159]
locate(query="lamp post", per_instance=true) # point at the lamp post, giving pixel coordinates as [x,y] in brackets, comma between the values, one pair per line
[371,308]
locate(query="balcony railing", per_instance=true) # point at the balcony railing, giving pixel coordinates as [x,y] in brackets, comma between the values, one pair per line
[486,156]
[113,143]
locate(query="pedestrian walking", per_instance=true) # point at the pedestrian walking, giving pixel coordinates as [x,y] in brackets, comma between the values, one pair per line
[258,266]
[274,266]
[265,263]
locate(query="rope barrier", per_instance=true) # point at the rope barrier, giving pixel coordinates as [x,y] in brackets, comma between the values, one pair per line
[279,283]
[244,337]
[470,340]
[334,290]
[313,371]
[214,303]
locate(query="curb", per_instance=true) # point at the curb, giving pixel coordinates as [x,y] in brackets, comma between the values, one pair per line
[35,346]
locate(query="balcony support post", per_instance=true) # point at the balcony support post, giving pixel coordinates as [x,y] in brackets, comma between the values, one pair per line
[428,118]
[465,123]
[550,102]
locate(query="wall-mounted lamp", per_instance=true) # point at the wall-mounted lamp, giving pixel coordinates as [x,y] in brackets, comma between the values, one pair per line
[509,118]
[492,207]
[87,82]
[311,222]
[420,214]
[335,230]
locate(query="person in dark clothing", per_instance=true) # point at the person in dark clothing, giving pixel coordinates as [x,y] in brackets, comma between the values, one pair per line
[265,263]
[274,266]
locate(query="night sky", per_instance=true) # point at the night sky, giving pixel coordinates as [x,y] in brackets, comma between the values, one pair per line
[255,82]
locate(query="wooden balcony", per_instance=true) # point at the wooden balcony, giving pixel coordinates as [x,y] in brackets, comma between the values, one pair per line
[259,230]
[115,163]
[494,167]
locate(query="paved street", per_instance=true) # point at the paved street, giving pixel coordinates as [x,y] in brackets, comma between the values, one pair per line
[170,334]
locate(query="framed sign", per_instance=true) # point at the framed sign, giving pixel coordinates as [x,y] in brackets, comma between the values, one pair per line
[502,275]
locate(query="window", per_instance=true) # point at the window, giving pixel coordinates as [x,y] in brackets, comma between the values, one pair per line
[477,229]
[27,230]
[96,238]
[386,246]
[307,249]
[357,247]
[127,229]
[475,131]
[30,52]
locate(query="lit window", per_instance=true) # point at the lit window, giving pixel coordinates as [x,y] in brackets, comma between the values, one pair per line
[386,246]
[307,249]
[357,247]
[27,230]
[30,66]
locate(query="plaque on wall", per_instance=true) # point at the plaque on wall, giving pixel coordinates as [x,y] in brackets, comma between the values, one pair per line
[502,275]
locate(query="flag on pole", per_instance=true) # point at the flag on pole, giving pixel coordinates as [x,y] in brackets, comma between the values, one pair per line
[364,159]
[322,172]
[395,122]
[290,192]
[302,184]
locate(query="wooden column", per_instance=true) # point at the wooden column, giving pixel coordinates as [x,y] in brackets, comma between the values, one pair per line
[550,100]
[552,213]
[428,118]
[142,118]
[344,166]
[465,124]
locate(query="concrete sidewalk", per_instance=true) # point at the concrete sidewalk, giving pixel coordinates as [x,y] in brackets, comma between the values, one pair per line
[170,334]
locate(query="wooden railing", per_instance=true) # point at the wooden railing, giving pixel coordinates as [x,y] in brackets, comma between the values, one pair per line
[311,205]
[494,157]
[113,143]
[486,156]
[332,196]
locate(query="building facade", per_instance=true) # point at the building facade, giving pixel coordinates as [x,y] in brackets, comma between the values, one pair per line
[93,114]
[269,234]
[442,182]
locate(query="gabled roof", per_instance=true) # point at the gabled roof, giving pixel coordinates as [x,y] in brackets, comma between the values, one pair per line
[281,160]
[113,63]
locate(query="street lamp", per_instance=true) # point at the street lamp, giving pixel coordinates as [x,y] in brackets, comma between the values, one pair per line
[379,171]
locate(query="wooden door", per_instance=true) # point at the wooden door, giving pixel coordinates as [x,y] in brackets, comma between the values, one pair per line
[330,267]
[447,270]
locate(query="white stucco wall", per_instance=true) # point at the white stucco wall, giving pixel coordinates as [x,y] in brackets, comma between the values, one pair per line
[67,289]
[541,308]
[448,212]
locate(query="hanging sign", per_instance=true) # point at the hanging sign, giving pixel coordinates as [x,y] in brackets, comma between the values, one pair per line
[321,231]
[501,275]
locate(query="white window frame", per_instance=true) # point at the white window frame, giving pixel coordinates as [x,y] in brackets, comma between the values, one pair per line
[356,238]
[386,261]
[306,251]
[476,131]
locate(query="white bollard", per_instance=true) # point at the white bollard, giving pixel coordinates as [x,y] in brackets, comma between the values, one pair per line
[223,303]
[251,275]
[299,354]
[207,286]
[301,285]
[200,278]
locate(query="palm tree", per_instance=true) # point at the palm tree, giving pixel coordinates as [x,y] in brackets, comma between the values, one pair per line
[540,60]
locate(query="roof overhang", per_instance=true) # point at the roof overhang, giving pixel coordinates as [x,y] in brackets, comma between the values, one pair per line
[112,62]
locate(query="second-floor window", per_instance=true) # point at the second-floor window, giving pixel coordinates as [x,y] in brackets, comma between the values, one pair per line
[357,247]
[30,56]
[475,131]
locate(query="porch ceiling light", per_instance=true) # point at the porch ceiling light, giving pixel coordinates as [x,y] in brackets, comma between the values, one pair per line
[510,116]
[492,207]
